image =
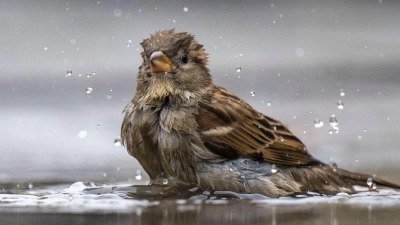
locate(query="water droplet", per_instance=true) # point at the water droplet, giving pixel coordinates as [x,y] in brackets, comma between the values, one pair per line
[73,41]
[89,90]
[45,48]
[252,93]
[165,181]
[274,127]
[109,97]
[70,197]
[238,69]
[117,141]
[104,174]
[79,75]
[318,123]
[98,125]
[374,186]
[94,73]
[30,185]
[88,75]
[359,137]
[138,175]
[82,134]
[117,12]
[128,45]
[340,104]
[342,93]
[330,131]
[333,122]
[370,182]
[281,138]
[69,73]
[274,169]
[356,160]
[304,132]
[185,9]
[118,169]
[129,41]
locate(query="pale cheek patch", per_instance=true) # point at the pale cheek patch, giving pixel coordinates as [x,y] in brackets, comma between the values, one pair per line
[217,131]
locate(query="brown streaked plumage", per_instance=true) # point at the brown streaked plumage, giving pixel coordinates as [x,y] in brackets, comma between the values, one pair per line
[179,124]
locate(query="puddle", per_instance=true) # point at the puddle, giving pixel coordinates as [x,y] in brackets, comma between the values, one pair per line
[143,204]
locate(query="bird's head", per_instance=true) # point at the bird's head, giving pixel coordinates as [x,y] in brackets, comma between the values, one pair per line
[173,68]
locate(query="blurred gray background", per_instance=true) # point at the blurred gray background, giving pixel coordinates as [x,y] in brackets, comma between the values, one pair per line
[296,57]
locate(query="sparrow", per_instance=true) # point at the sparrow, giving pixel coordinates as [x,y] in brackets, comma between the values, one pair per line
[181,126]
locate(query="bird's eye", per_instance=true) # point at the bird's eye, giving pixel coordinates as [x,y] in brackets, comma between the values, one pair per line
[184,59]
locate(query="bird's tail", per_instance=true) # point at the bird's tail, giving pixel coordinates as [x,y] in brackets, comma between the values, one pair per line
[365,180]
[330,180]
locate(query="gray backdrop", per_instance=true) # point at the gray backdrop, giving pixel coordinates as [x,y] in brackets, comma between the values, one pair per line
[295,56]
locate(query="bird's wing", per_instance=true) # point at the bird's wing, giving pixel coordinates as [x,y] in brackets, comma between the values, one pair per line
[231,128]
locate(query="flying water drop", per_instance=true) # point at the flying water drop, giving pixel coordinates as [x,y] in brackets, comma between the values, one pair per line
[138,175]
[340,104]
[253,93]
[165,181]
[89,90]
[342,93]
[370,182]
[318,123]
[238,69]
[69,73]
[274,169]
[117,141]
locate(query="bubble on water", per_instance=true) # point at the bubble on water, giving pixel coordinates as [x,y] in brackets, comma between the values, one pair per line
[109,97]
[340,104]
[88,75]
[117,141]
[82,134]
[252,93]
[359,137]
[93,73]
[45,48]
[129,41]
[30,185]
[69,73]
[165,181]
[274,169]
[370,182]
[238,69]
[342,93]
[73,41]
[138,175]
[268,103]
[89,90]
[185,9]
[79,75]
[318,123]
[117,12]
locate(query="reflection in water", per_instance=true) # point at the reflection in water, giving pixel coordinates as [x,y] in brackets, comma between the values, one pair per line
[91,203]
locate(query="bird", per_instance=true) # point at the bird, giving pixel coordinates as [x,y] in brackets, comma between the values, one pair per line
[180,126]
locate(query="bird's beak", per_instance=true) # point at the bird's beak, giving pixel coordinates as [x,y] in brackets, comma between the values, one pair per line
[159,62]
